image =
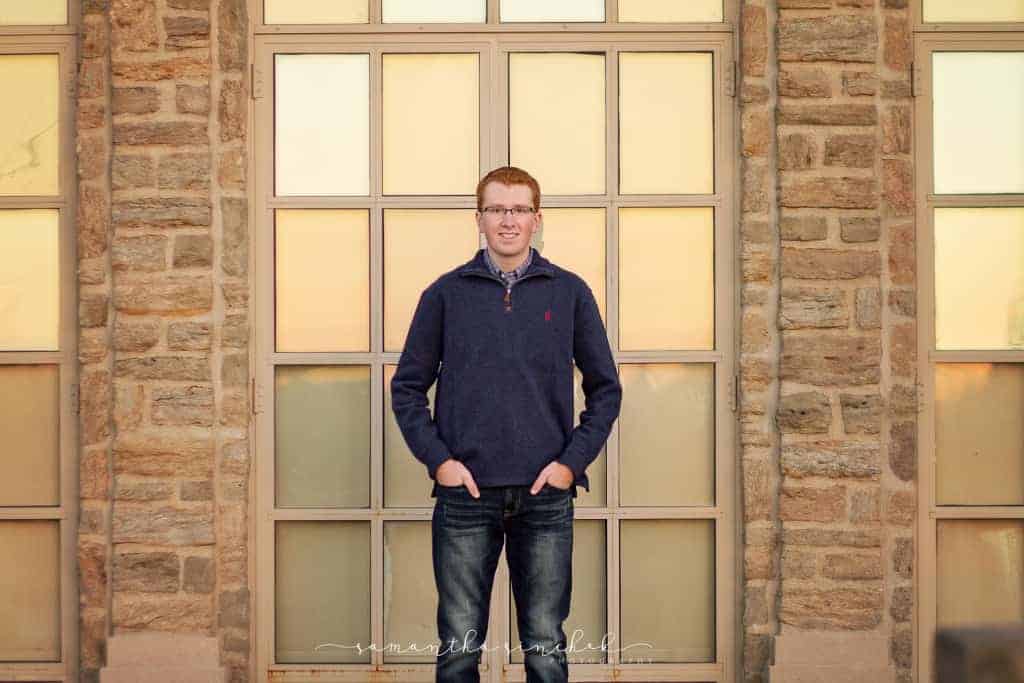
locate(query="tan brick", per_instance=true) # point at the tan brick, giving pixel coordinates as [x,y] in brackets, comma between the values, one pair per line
[94,401]
[757,131]
[142,491]
[798,564]
[192,99]
[232,110]
[807,307]
[827,538]
[235,369]
[757,488]
[199,575]
[192,67]
[797,152]
[829,264]
[235,257]
[184,172]
[146,572]
[898,186]
[903,349]
[137,100]
[160,133]
[830,192]
[160,212]
[862,413]
[841,608]
[839,38]
[902,260]
[860,83]
[853,151]
[804,82]
[93,221]
[754,32]
[828,114]
[807,504]
[231,169]
[132,171]
[869,308]
[832,459]
[859,228]
[133,25]
[188,335]
[183,405]
[755,186]
[193,251]
[896,129]
[93,476]
[806,412]
[197,490]
[865,508]
[92,157]
[903,557]
[159,453]
[803,228]
[901,509]
[852,566]
[171,368]
[828,360]
[129,404]
[185,32]
[92,574]
[897,49]
[177,613]
[135,335]
[142,253]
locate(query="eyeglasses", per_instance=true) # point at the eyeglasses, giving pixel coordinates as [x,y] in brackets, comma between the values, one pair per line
[517,211]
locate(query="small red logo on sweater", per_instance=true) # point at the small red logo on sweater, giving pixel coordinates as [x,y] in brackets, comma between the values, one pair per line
[547,314]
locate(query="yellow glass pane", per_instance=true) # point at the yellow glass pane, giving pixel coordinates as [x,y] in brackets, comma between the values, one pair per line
[667,598]
[322,279]
[959,10]
[979,278]
[33,12]
[980,569]
[544,10]
[666,279]
[316,11]
[666,123]
[575,240]
[667,434]
[322,124]
[670,10]
[410,596]
[406,483]
[434,11]
[322,592]
[30,591]
[30,131]
[557,120]
[587,622]
[322,430]
[977,108]
[431,123]
[979,434]
[597,472]
[30,434]
[420,245]
[29,279]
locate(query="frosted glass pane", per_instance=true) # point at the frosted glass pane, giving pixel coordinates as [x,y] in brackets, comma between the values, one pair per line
[557,120]
[597,472]
[420,245]
[979,278]
[980,571]
[979,434]
[322,592]
[30,434]
[316,12]
[30,131]
[587,622]
[29,279]
[667,434]
[670,10]
[322,431]
[668,589]
[959,10]
[435,11]
[978,110]
[546,10]
[666,279]
[666,123]
[410,596]
[323,279]
[30,591]
[37,12]
[406,483]
[322,124]
[431,124]
[575,239]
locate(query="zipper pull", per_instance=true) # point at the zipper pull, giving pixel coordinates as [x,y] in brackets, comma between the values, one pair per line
[508,299]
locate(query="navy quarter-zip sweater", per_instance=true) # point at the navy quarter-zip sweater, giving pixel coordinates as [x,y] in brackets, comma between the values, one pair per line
[503,361]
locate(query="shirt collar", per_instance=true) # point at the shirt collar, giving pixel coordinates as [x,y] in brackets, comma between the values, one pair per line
[514,274]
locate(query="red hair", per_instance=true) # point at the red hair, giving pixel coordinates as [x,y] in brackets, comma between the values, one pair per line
[508,175]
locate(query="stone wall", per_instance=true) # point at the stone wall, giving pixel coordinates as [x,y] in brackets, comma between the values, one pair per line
[163,249]
[828,332]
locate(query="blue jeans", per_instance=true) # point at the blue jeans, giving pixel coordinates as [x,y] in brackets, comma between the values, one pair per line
[467,536]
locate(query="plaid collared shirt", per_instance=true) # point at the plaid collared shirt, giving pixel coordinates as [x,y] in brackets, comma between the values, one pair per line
[511,277]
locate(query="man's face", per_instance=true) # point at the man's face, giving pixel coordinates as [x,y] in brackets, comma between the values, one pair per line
[508,234]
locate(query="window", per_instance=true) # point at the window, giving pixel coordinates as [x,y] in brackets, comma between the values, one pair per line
[371,141]
[38,345]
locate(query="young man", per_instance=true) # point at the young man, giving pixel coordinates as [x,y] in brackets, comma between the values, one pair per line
[500,334]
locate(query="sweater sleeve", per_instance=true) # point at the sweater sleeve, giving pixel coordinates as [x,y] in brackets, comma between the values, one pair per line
[601,386]
[416,372]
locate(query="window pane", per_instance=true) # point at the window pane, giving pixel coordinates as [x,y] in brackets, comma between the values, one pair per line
[29,591]
[597,473]
[670,10]
[979,259]
[587,622]
[666,279]
[30,131]
[316,12]
[544,10]
[435,11]
[575,239]
[29,279]
[979,435]
[557,120]
[322,279]
[322,429]
[30,434]
[420,245]
[958,10]
[410,596]
[668,589]
[666,123]
[322,596]
[322,124]
[978,107]
[431,123]
[667,434]
[406,482]
[980,571]
[15,12]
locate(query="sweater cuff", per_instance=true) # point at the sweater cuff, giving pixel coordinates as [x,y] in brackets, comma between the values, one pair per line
[575,463]
[435,459]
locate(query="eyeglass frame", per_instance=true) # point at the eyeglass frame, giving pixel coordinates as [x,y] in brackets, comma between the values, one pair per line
[500,211]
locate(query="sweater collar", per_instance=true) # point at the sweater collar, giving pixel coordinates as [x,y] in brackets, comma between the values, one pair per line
[478,266]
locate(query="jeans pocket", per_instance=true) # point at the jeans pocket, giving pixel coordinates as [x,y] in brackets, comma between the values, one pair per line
[461,514]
